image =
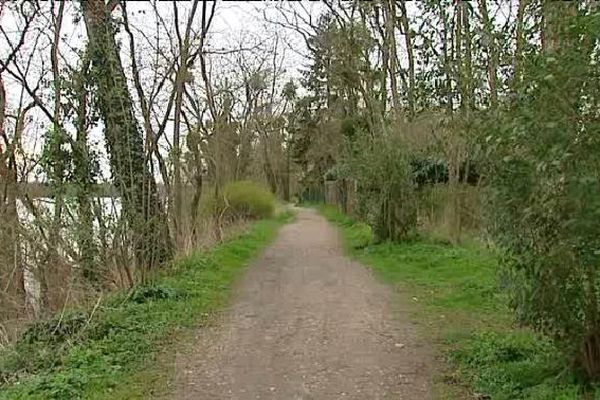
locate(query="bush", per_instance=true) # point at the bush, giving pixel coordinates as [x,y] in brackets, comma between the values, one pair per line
[544,154]
[386,191]
[247,199]
[57,329]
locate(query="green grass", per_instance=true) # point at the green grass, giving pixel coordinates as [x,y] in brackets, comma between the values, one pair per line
[119,351]
[461,307]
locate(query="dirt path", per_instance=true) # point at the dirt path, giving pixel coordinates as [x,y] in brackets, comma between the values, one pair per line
[307,323]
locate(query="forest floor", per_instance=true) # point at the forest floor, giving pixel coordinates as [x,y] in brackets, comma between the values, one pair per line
[306,322]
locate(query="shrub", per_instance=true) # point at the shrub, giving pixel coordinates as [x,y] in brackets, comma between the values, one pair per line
[57,329]
[386,196]
[247,199]
[544,193]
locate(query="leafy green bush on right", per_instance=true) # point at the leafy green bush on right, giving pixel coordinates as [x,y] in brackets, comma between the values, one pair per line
[385,195]
[543,153]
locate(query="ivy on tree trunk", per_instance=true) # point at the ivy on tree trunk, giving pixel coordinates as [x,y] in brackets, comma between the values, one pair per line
[141,205]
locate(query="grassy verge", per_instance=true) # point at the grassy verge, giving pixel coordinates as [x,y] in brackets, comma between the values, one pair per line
[459,300]
[111,352]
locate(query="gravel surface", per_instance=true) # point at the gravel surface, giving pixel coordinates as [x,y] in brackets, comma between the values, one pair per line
[308,323]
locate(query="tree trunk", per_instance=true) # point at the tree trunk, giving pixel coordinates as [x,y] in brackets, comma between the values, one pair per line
[141,205]
[458,63]
[447,61]
[520,41]
[267,166]
[411,58]
[176,187]
[82,171]
[467,73]
[181,78]
[10,255]
[389,15]
[288,157]
[492,52]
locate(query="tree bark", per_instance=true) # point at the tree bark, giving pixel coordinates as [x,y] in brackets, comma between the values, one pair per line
[82,171]
[181,78]
[447,60]
[467,74]
[492,52]
[13,290]
[411,58]
[141,205]
[520,42]
[389,15]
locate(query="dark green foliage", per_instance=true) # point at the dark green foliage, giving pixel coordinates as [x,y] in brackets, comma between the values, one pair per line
[544,170]
[339,73]
[56,158]
[152,292]
[352,126]
[86,169]
[385,186]
[515,366]
[55,330]
[338,64]
[312,194]
[429,172]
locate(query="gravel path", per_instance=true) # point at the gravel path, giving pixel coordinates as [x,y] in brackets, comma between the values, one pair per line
[308,323]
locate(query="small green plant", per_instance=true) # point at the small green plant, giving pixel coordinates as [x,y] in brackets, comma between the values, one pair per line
[55,330]
[514,365]
[146,293]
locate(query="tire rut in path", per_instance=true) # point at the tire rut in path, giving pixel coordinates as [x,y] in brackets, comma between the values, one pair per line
[307,323]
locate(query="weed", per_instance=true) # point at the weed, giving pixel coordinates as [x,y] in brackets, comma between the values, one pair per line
[143,294]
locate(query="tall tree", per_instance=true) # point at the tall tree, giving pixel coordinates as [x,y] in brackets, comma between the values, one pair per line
[142,207]
[408,40]
[492,52]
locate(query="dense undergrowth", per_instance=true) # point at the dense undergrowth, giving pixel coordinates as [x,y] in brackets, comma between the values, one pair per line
[459,296]
[109,351]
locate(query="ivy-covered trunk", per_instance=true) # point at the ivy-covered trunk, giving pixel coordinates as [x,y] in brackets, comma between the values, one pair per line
[83,179]
[141,205]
